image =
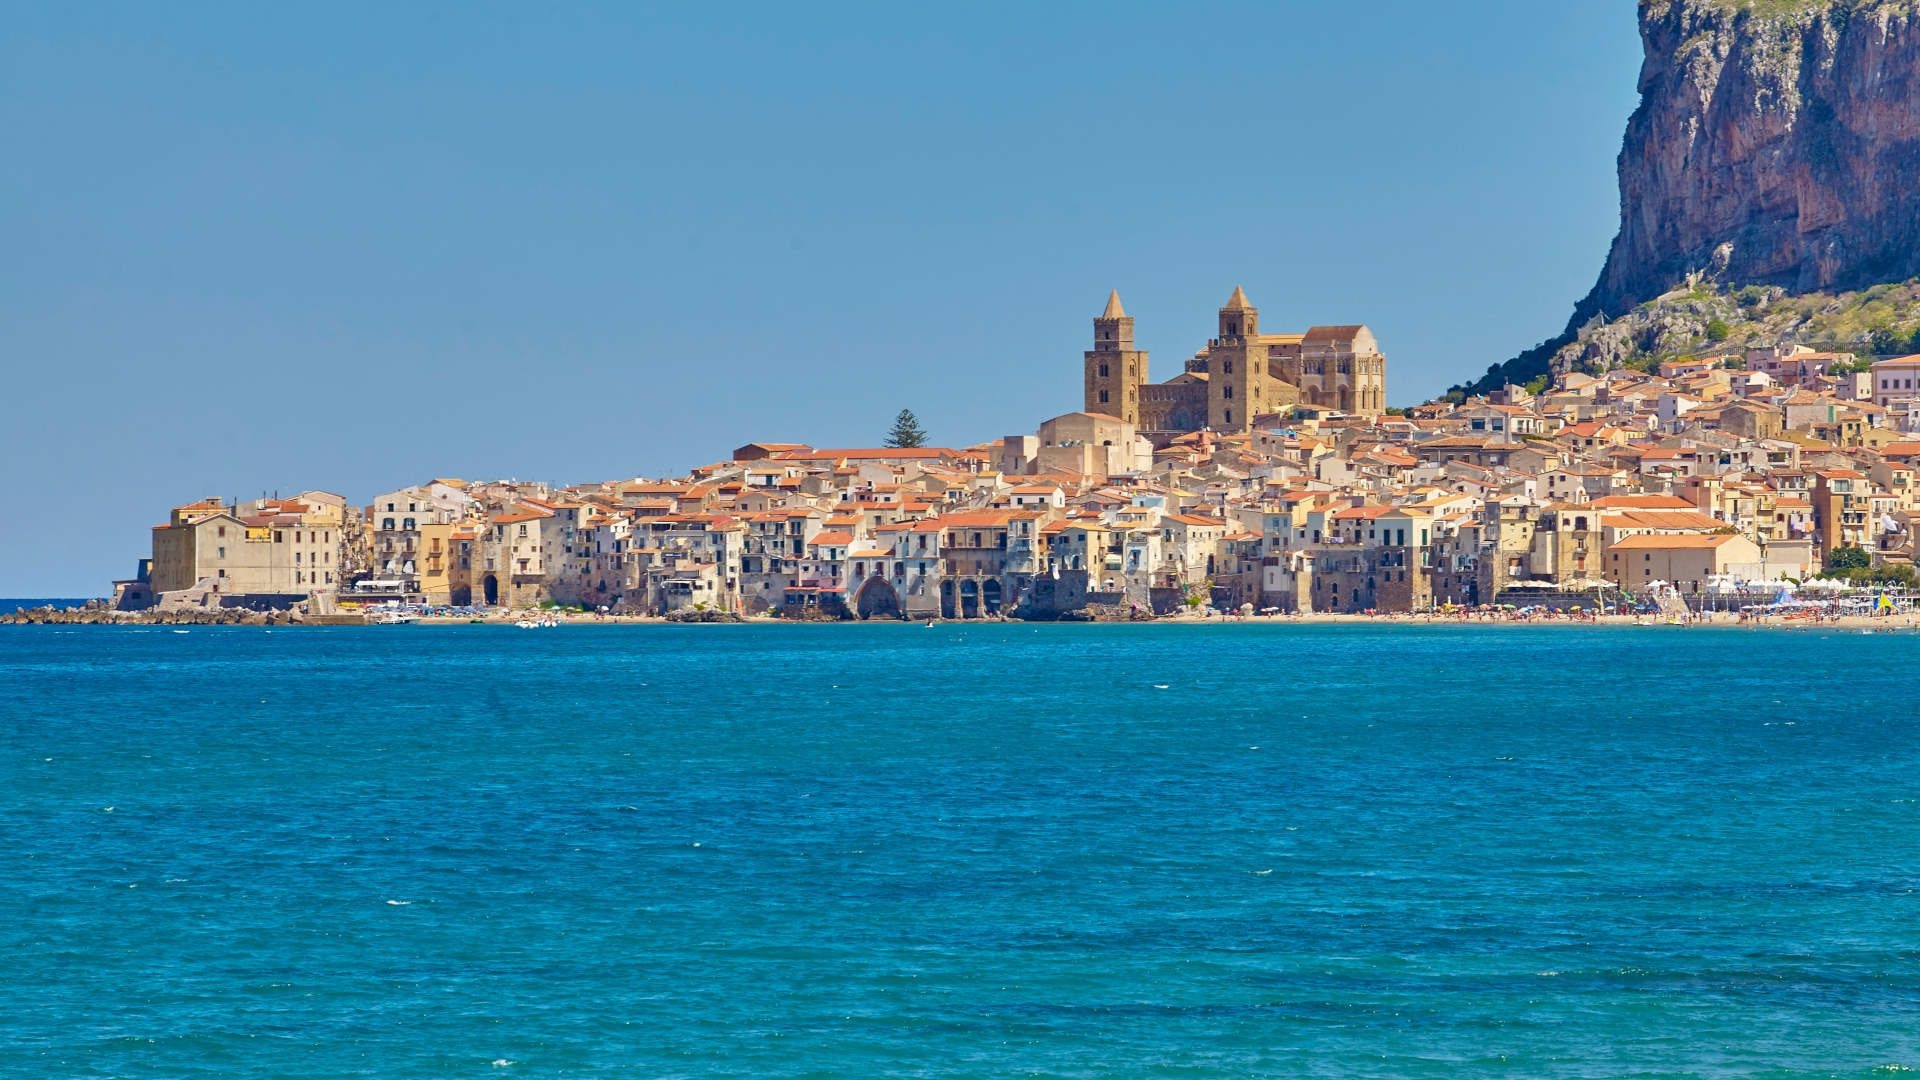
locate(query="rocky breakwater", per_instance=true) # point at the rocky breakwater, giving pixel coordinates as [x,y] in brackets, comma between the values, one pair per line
[98,614]
[689,615]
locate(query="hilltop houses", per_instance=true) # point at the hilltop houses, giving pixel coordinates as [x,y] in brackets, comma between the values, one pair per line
[1295,491]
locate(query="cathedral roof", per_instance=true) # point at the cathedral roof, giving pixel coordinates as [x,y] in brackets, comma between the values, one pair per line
[1114,310]
[1334,333]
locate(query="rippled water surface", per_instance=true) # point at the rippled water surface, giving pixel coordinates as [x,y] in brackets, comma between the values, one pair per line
[967,850]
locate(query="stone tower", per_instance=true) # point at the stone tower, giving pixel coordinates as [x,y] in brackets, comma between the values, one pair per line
[1115,369]
[1237,376]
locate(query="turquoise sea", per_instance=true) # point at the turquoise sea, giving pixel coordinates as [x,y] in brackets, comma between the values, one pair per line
[970,850]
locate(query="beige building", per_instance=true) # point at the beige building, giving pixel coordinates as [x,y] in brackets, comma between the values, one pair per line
[1896,381]
[1687,561]
[413,537]
[1088,444]
[265,551]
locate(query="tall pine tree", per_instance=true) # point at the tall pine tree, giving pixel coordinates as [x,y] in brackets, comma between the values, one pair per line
[907,430]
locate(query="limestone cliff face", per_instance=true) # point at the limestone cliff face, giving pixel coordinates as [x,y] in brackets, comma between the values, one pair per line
[1776,142]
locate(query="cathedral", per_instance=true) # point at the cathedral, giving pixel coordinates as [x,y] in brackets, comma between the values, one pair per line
[1241,376]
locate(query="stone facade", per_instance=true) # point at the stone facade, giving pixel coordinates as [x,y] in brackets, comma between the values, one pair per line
[1241,375]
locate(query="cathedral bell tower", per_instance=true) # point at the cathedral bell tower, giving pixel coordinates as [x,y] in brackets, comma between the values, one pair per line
[1237,377]
[1115,370]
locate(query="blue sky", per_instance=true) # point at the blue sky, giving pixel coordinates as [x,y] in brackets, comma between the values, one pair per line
[357,246]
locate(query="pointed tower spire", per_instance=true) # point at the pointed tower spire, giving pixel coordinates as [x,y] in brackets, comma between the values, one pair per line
[1238,301]
[1114,310]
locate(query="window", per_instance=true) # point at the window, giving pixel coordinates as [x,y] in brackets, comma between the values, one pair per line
[279,537]
[1103,397]
[1103,371]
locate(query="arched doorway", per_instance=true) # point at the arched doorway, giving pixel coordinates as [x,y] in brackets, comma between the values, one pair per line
[969,599]
[949,609]
[878,599]
[461,597]
[990,597]
[490,589]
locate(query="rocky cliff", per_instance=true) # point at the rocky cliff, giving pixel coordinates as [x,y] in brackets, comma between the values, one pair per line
[1777,142]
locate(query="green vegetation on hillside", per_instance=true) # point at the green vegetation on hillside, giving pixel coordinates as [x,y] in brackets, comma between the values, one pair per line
[1772,8]
[1705,320]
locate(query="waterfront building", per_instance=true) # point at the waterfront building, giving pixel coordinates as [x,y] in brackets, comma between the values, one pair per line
[1265,475]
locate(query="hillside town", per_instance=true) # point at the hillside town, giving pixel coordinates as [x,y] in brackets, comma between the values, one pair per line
[1268,476]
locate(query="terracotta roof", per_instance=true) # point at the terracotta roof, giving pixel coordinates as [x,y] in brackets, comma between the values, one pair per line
[1664,519]
[1334,333]
[1657,542]
[873,453]
[1642,502]
[975,519]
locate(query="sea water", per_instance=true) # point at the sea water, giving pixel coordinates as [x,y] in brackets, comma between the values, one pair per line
[968,850]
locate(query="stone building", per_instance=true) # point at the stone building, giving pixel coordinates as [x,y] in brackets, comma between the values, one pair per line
[1240,375]
[267,553]
[1115,370]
